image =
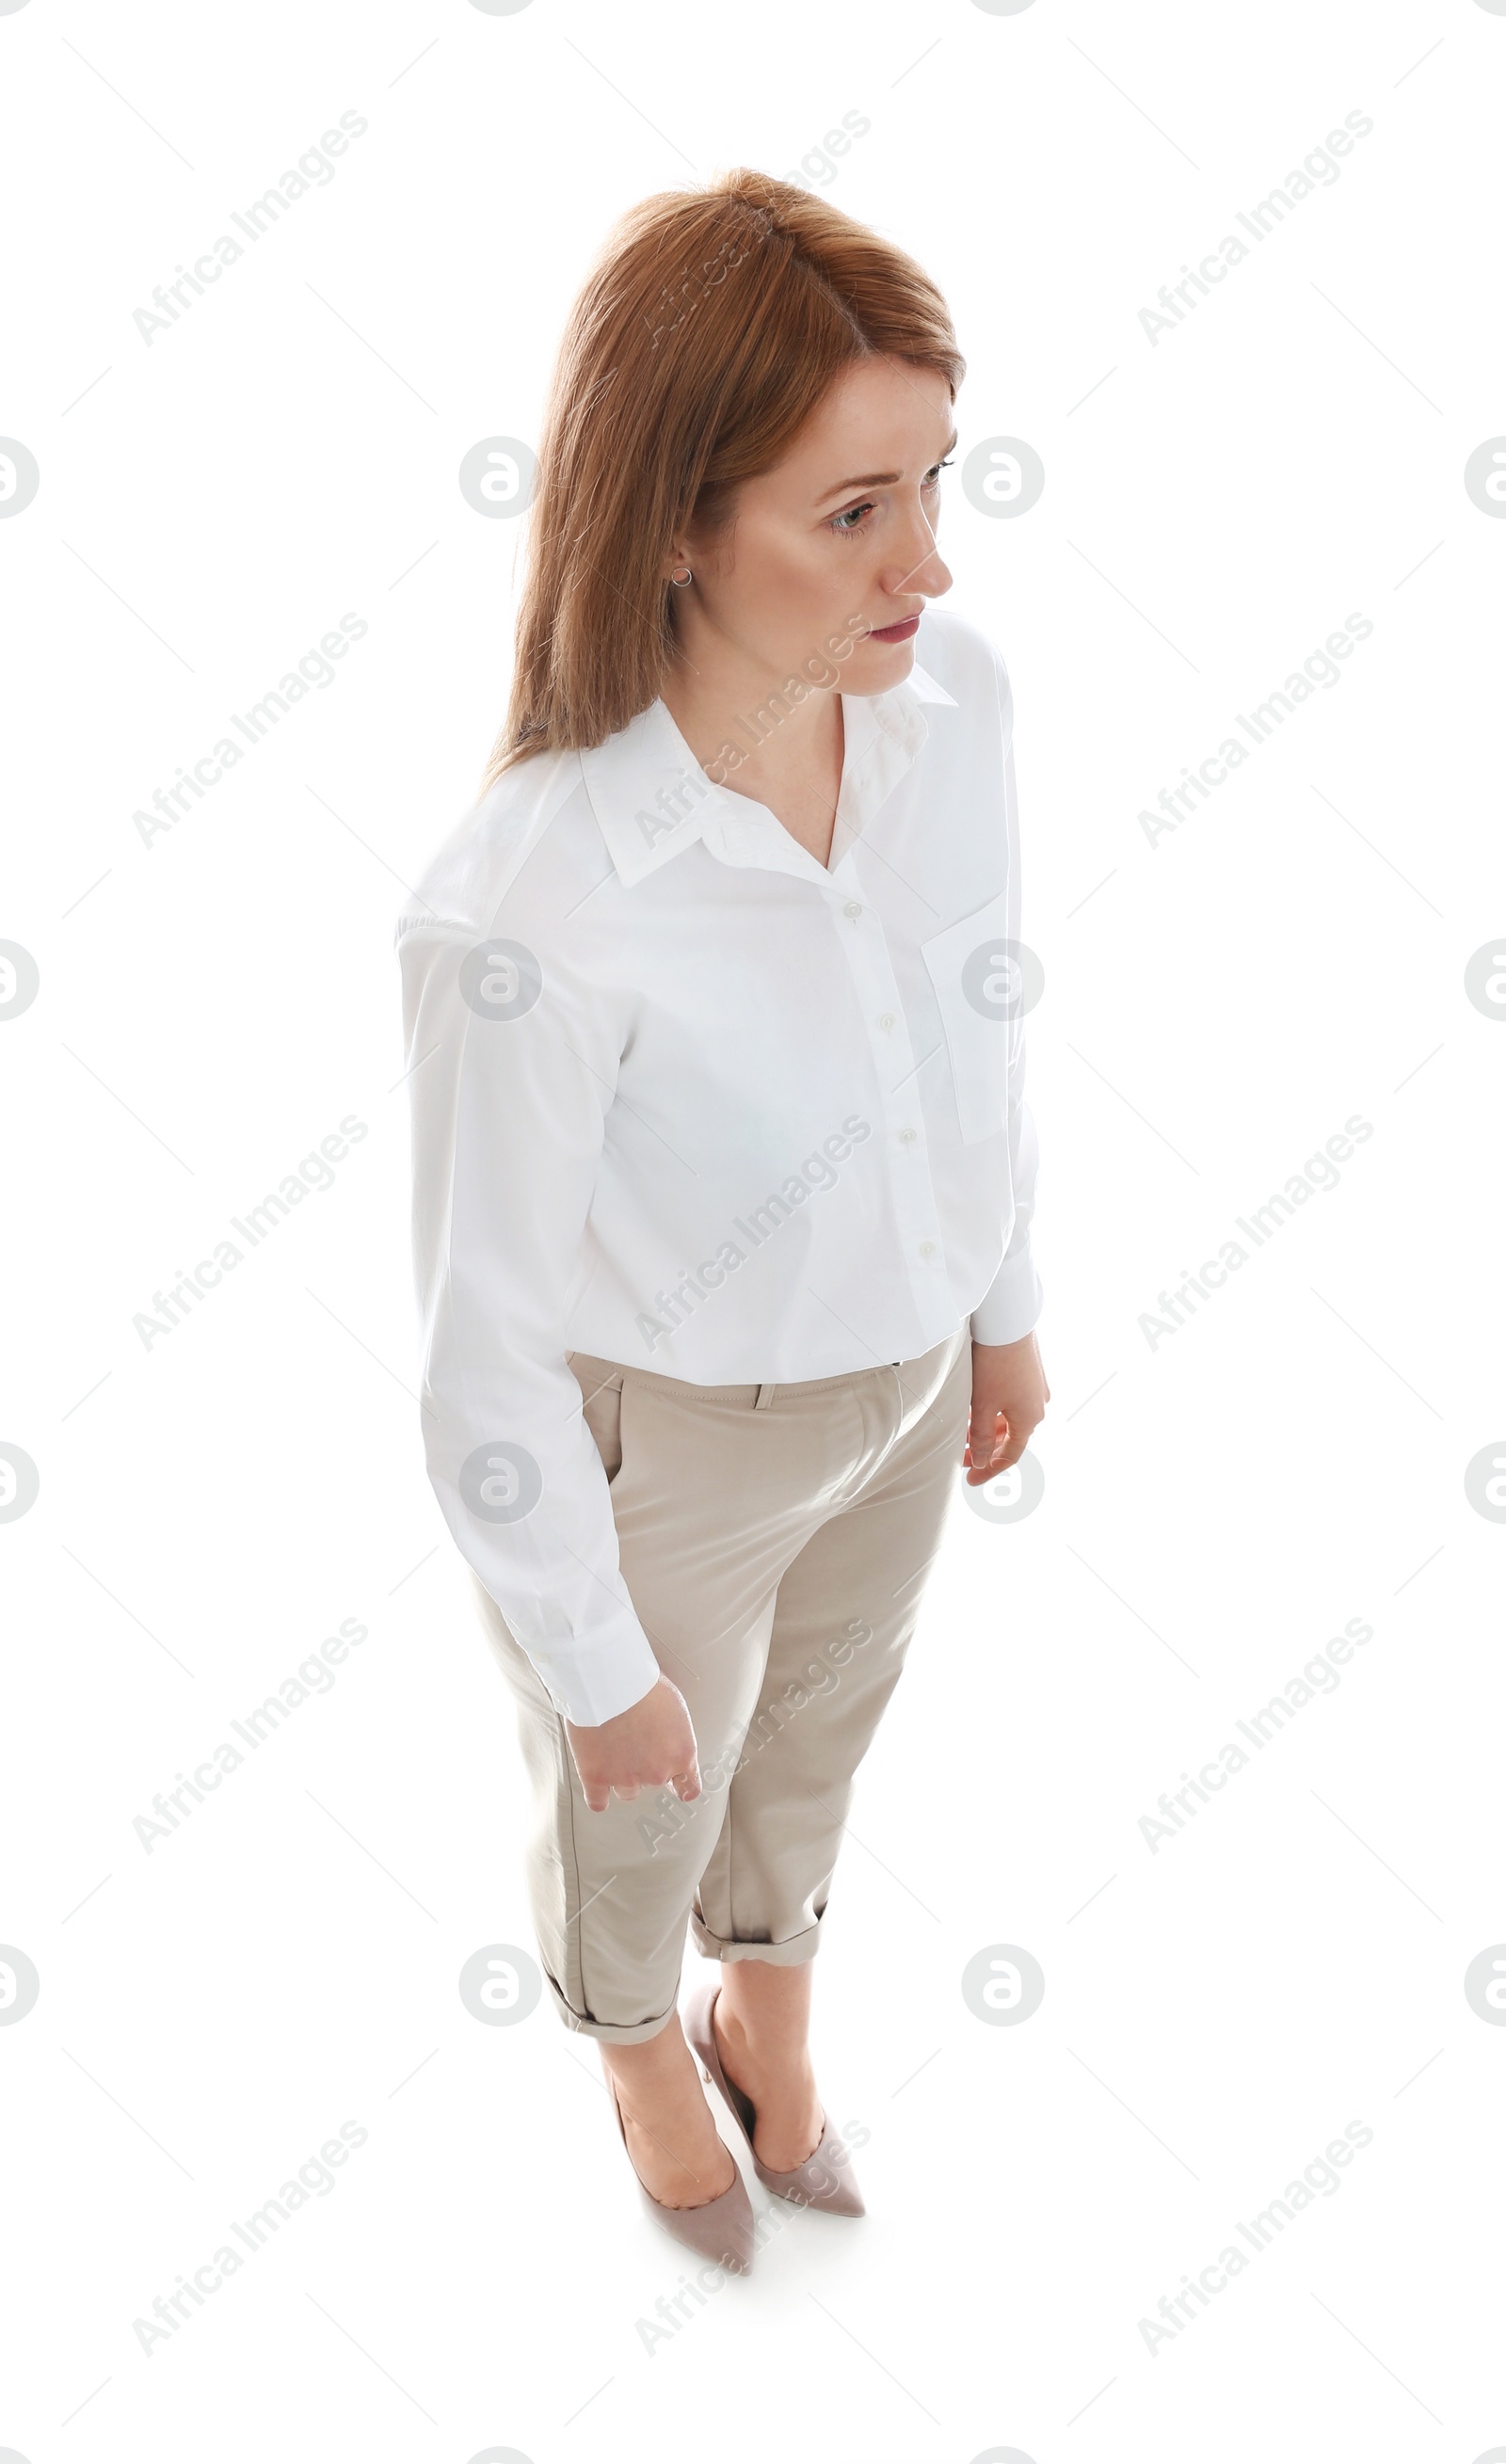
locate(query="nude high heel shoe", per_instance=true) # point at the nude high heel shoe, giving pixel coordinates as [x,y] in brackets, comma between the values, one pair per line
[826,2179]
[719,2229]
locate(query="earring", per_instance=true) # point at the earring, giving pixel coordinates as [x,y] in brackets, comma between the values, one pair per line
[679,580]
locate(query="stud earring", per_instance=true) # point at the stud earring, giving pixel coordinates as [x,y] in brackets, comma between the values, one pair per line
[679,580]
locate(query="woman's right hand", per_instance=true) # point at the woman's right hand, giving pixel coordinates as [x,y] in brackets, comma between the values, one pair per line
[650,1744]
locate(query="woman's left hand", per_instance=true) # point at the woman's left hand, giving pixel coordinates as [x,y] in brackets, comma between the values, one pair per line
[1008,1388]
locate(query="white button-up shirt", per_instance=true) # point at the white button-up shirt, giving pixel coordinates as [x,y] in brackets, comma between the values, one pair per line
[685,1098]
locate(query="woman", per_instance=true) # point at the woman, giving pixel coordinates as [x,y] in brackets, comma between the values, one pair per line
[724,1177]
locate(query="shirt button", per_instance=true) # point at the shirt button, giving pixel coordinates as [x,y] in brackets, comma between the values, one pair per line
[928,1249]
[851,911]
[907,1139]
[887,1021]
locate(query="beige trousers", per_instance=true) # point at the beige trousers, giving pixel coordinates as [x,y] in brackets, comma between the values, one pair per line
[775,1541]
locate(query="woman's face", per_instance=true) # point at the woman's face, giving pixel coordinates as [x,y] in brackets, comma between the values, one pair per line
[834,544]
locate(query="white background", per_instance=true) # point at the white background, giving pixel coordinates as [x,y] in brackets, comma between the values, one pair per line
[1216,1005]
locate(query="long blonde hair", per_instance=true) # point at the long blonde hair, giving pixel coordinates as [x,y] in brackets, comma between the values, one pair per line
[708,330]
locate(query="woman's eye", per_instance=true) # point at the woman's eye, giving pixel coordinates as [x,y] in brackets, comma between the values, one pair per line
[852,520]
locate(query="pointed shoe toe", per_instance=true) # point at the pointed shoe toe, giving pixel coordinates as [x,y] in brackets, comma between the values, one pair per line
[720,2229]
[826,2179]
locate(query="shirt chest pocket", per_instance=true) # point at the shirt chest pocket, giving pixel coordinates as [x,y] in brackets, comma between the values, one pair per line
[975,974]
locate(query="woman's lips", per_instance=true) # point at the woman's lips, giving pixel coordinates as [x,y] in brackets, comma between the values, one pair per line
[899,632]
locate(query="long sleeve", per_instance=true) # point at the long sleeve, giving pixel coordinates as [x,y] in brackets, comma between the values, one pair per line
[1012,1303]
[512,1070]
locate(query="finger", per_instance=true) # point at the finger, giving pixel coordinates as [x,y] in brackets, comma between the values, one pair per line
[1006,1450]
[686,1784]
[597,1795]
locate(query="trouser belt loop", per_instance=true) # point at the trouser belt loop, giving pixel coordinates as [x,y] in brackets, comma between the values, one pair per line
[765,1397]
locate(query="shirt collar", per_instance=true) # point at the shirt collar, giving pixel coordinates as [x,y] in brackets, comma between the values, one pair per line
[652,798]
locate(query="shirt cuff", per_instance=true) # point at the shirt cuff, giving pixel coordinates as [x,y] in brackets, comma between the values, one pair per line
[591,1679]
[1012,1302]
